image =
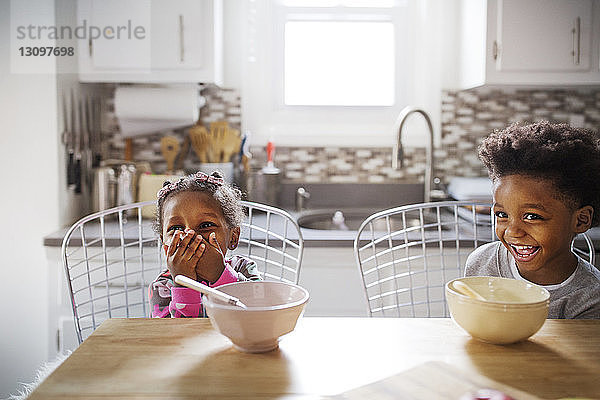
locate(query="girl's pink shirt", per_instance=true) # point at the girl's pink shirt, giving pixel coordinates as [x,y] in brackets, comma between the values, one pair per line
[186,302]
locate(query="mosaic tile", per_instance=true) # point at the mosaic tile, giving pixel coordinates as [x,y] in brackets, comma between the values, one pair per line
[467,117]
[376,179]
[344,179]
[293,174]
[294,166]
[465,145]
[540,95]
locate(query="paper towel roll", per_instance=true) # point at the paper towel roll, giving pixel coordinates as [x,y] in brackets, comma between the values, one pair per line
[146,110]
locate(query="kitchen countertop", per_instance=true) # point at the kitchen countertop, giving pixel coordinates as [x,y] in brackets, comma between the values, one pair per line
[312,237]
[378,196]
[331,196]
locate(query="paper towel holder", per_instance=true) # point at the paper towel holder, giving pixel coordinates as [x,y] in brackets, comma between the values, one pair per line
[165,107]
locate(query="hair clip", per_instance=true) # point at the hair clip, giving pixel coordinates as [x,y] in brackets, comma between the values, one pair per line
[202,177]
[166,189]
[198,177]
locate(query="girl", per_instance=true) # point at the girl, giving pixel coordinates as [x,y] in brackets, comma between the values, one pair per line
[198,219]
[546,187]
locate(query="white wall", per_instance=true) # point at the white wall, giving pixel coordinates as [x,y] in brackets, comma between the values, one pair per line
[29,204]
[233,43]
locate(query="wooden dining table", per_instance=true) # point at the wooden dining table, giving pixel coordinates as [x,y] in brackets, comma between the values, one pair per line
[343,358]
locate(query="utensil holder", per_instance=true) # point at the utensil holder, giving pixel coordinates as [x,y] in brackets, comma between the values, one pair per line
[264,187]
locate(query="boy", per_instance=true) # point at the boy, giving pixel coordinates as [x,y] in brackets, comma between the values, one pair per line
[546,180]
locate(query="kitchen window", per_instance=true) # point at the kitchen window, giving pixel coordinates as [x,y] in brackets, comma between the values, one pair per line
[316,71]
[350,71]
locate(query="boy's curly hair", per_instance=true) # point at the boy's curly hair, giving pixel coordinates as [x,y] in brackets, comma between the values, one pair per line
[566,156]
[225,194]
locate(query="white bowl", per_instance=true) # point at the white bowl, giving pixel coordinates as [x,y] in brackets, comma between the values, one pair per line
[513,310]
[273,309]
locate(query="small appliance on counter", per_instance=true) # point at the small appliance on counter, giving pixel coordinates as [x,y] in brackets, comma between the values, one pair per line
[477,189]
[264,185]
[462,188]
[115,183]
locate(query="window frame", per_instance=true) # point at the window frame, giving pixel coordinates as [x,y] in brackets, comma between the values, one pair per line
[268,117]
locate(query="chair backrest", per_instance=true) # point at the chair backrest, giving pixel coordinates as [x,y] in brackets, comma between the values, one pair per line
[272,238]
[112,256]
[582,246]
[405,255]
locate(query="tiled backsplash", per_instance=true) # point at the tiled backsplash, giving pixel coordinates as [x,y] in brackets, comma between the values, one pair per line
[344,164]
[467,117]
[221,104]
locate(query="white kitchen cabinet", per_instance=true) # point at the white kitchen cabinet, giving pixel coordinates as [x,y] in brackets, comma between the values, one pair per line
[62,335]
[61,327]
[332,279]
[150,41]
[529,42]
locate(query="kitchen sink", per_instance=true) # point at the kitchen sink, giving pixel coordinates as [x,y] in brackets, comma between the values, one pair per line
[351,219]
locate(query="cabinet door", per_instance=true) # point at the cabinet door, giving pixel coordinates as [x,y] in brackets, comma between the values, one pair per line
[178,33]
[158,41]
[172,33]
[123,28]
[544,35]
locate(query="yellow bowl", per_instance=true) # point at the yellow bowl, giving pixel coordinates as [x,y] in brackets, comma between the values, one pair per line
[273,310]
[513,310]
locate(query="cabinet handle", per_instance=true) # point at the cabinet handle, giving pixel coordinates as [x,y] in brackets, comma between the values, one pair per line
[181,47]
[495,50]
[90,46]
[576,32]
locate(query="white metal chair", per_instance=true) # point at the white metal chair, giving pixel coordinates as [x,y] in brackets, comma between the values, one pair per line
[582,246]
[405,255]
[110,258]
[272,238]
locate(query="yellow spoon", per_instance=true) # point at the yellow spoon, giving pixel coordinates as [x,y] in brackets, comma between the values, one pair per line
[467,290]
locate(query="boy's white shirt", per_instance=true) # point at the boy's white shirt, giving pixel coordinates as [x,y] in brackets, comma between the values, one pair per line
[517,274]
[567,300]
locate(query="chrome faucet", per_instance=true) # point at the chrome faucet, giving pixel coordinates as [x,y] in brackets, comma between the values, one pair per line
[398,154]
[302,197]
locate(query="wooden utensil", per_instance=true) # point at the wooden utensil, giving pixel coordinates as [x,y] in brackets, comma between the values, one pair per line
[169,146]
[246,163]
[201,143]
[218,128]
[183,152]
[227,141]
[232,142]
[218,131]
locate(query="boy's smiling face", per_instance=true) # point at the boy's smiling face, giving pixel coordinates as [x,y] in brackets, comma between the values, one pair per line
[537,228]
